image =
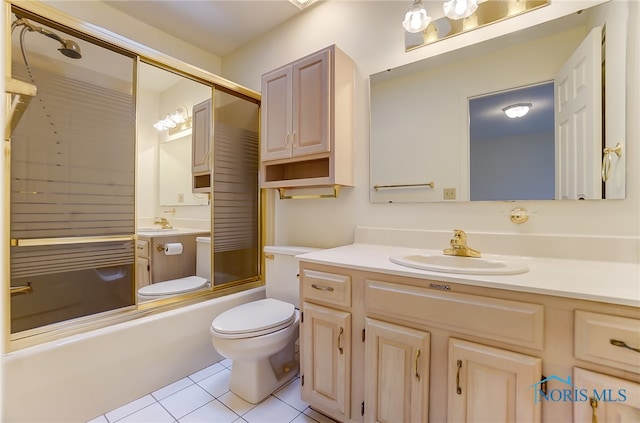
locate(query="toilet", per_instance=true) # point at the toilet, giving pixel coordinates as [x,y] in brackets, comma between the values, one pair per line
[202,278]
[259,337]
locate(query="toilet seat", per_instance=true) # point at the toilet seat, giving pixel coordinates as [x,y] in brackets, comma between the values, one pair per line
[173,287]
[254,319]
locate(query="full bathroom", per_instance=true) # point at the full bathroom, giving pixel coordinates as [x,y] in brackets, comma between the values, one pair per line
[208,237]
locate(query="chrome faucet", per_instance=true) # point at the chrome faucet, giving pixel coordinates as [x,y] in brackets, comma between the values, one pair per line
[163,222]
[459,246]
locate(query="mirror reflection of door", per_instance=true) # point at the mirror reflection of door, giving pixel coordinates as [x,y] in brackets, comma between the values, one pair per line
[579,123]
[512,158]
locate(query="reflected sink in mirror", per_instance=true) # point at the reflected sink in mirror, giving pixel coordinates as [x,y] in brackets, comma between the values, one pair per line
[156,229]
[461,265]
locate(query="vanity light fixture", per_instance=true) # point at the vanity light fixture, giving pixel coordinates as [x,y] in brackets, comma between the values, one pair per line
[301,4]
[416,19]
[515,111]
[179,118]
[459,9]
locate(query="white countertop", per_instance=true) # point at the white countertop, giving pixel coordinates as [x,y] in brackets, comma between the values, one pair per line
[609,282]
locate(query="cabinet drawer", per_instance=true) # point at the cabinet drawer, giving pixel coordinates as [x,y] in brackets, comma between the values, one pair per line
[330,288]
[513,322]
[142,248]
[595,336]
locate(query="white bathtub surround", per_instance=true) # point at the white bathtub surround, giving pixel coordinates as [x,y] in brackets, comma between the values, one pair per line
[82,376]
[588,276]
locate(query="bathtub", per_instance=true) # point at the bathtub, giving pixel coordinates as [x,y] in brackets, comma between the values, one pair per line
[78,378]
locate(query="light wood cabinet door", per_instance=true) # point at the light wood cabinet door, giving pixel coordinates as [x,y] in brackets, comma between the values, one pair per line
[487,384]
[201,137]
[143,272]
[397,373]
[277,115]
[311,105]
[326,355]
[602,398]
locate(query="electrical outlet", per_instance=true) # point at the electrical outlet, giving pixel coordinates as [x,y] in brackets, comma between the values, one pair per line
[180,198]
[449,193]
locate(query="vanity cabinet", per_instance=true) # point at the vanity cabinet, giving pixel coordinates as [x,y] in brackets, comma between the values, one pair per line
[397,376]
[143,268]
[488,384]
[326,341]
[201,147]
[612,341]
[307,122]
[427,350]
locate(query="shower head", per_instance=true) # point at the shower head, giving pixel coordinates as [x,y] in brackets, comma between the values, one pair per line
[67,47]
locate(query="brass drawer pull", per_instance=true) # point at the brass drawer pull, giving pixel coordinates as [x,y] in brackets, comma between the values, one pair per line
[340,341]
[416,365]
[594,405]
[321,288]
[623,344]
[458,388]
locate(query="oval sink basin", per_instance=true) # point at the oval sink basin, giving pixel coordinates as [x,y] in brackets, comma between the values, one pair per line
[462,265]
[155,229]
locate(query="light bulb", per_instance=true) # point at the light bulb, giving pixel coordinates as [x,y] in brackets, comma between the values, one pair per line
[459,9]
[416,19]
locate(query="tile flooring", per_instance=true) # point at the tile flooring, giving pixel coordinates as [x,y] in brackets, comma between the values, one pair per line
[205,397]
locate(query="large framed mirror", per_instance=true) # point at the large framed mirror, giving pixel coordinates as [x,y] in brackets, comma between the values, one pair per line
[424,116]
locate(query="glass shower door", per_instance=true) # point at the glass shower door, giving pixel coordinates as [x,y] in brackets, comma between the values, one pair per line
[72,188]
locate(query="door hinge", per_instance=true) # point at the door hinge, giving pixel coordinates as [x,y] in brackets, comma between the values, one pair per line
[302,317]
[543,384]
[364,336]
[362,409]
[302,380]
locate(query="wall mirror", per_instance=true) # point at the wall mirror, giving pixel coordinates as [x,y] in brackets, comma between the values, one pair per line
[422,143]
[164,93]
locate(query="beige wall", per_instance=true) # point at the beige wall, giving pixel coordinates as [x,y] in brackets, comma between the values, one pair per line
[370,32]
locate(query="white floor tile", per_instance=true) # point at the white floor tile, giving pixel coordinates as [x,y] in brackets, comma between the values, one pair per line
[217,384]
[99,419]
[206,372]
[237,404]
[213,411]
[290,394]
[129,408]
[303,418]
[227,362]
[172,389]
[271,410]
[151,414]
[185,401]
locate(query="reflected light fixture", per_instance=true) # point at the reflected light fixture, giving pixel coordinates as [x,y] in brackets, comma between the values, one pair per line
[518,110]
[416,19]
[459,9]
[179,118]
[301,4]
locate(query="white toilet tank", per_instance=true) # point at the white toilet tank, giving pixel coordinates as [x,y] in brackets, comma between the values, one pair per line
[203,257]
[281,272]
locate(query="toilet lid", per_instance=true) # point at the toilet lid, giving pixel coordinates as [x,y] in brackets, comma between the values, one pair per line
[260,316]
[172,287]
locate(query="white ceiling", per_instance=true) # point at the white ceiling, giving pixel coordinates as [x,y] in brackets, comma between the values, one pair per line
[217,26]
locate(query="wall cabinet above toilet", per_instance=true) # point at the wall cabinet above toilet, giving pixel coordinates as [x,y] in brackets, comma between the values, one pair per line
[307,122]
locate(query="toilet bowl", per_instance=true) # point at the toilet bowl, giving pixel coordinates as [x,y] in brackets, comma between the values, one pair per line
[259,337]
[201,280]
